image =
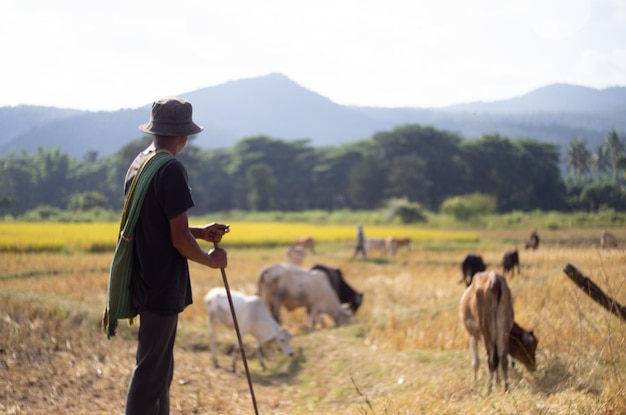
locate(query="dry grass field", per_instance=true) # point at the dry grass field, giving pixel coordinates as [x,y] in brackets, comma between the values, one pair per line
[405,352]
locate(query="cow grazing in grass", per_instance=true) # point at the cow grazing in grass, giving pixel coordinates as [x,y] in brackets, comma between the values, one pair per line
[486,310]
[470,266]
[608,240]
[289,286]
[533,241]
[523,346]
[252,317]
[392,244]
[347,294]
[510,260]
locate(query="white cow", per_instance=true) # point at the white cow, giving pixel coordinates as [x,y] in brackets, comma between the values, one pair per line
[253,318]
[486,310]
[295,254]
[293,287]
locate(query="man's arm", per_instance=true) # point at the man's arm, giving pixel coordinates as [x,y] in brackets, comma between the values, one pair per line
[212,232]
[185,242]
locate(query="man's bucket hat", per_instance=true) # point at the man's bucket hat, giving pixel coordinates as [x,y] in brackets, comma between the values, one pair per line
[171,117]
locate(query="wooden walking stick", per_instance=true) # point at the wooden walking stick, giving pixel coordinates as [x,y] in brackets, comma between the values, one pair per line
[243,352]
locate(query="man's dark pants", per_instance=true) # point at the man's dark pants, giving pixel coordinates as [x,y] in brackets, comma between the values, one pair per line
[149,389]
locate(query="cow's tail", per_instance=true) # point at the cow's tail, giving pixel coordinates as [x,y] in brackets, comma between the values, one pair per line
[496,289]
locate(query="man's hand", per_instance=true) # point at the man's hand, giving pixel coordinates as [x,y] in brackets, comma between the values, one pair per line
[212,232]
[218,258]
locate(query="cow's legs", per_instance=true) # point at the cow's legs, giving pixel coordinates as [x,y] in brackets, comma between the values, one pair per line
[475,361]
[504,364]
[212,343]
[493,360]
[234,355]
[259,353]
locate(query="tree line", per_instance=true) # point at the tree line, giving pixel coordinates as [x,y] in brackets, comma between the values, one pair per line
[419,164]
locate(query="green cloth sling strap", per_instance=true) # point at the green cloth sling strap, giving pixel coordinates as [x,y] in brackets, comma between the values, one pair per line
[119,302]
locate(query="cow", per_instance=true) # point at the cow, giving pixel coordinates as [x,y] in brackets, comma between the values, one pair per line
[306,242]
[253,318]
[470,266]
[510,260]
[295,254]
[486,310]
[533,241]
[347,295]
[522,346]
[608,240]
[294,287]
[375,244]
[393,244]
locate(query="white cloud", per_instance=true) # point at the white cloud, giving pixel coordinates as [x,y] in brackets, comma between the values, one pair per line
[607,69]
[116,54]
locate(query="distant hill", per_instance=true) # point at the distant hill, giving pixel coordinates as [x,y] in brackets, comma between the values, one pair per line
[557,98]
[278,107]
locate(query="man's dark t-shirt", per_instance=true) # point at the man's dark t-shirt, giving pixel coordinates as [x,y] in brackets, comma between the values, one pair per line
[160,281]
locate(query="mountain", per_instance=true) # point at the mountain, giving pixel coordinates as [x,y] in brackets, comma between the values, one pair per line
[278,107]
[553,99]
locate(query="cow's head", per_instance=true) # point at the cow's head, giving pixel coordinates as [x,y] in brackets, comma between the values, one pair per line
[356,301]
[283,339]
[523,346]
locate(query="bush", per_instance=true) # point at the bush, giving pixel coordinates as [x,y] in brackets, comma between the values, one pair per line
[467,207]
[404,211]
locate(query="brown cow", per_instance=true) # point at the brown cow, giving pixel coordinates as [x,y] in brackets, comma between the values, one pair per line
[522,346]
[510,260]
[306,242]
[393,244]
[608,240]
[486,310]
[533,241]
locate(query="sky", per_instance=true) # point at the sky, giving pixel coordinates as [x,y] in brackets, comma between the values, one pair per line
[115,54]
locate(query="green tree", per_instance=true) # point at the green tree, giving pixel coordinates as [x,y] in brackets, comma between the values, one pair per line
[494,167]
[291,163]
[331,176]
[601,160]
[577,158]
[210,181]
[542,186]
[261,182]
[86,201]
[615,147]
[367,182]
[52,175]
[423,163]
[18,182]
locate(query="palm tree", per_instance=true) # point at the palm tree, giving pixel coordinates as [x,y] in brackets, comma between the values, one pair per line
[577,157]
[616,148]
[601,160]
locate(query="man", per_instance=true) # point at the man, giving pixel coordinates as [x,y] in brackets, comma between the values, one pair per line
[160,285]
[360,242]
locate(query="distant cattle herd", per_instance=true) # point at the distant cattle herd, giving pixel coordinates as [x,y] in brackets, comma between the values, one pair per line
[485,309]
